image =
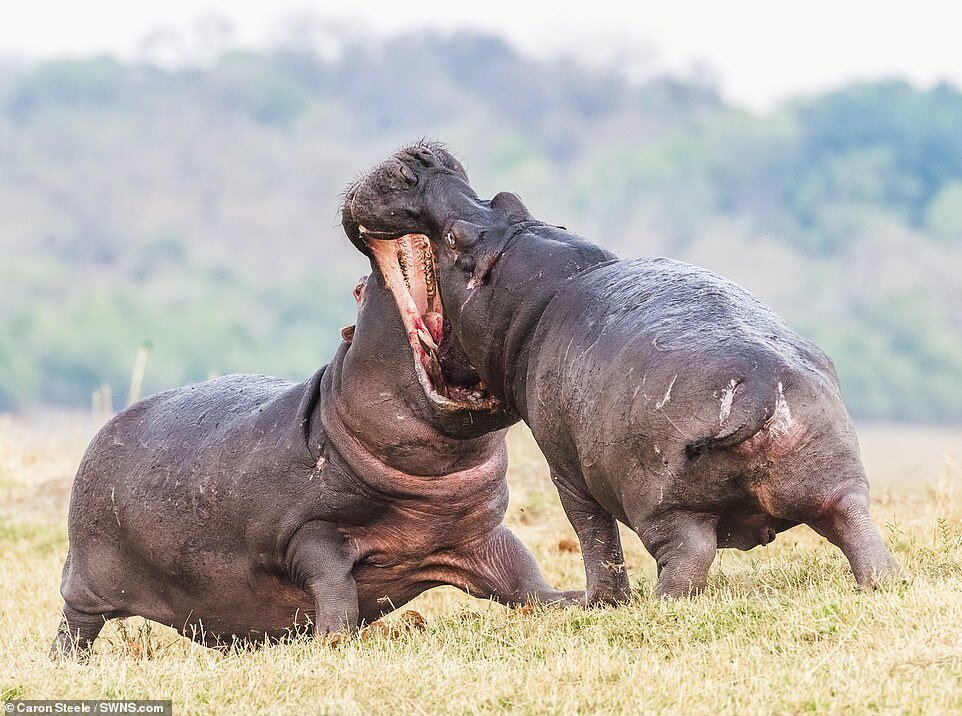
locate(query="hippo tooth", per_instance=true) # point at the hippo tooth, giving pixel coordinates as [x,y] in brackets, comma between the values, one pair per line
[402,260]
[433,369]
[426,340]
[430,279]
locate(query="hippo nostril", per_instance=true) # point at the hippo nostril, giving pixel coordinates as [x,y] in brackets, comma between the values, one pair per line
[425,156]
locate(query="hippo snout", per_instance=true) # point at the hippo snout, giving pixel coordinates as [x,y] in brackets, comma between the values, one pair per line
[433,155]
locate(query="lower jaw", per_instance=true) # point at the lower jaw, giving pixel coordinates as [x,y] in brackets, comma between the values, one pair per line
[450,397]
[456,400]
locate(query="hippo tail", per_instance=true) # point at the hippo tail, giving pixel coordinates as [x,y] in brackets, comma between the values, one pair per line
[747,406]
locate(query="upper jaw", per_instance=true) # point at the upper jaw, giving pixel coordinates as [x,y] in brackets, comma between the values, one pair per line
[375,210]
[361,228]
[374,235]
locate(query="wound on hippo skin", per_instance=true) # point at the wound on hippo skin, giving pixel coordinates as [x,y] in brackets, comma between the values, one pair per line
[483,268]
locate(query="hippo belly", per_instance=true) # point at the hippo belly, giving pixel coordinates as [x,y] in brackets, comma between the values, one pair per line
[179,513]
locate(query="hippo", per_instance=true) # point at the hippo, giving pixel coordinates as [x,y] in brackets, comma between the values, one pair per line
[662,395]
[248,508]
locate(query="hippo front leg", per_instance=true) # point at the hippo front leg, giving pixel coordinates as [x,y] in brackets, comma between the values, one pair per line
[597,530]
[322,563]
[501,568]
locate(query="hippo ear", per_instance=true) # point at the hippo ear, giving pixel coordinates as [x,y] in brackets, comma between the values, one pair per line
[347,333]
[511,206]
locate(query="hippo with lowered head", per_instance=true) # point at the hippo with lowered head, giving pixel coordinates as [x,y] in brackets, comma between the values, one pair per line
[250,507]
[661,394]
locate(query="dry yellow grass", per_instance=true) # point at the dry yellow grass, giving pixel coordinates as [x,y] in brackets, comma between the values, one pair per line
[779,630]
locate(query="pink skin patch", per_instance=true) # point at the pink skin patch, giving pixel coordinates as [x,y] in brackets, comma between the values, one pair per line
[780,435]
[435,324]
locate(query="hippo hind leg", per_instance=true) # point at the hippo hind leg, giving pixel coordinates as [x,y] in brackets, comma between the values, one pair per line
[683,545]
[848,525]
[76,634]
[837,509]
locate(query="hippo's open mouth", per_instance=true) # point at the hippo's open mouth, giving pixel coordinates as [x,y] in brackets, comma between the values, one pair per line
[407,265]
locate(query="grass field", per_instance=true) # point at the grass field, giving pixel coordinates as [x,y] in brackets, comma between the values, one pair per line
[780,629]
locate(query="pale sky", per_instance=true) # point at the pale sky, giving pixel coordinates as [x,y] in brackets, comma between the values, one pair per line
[760,51]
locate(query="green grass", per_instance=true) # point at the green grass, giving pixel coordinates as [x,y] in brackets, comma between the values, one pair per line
[780,629]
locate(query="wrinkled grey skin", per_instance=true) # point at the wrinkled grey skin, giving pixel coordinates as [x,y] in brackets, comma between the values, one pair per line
[661,394]
[250,507]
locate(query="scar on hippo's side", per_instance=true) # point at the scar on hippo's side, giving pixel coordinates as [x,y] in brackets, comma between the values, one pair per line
[779,436]
[667,397]
[725,409]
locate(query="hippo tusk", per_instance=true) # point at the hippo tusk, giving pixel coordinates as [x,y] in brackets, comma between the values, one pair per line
[427,341]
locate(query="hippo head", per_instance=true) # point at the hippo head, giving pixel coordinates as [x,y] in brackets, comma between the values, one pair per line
[404,193]
[395,214]
[427,233]
[423,189]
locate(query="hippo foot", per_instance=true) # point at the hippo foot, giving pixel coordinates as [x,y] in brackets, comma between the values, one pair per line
[66,648]
[609,596]
[891,575]
[75,635]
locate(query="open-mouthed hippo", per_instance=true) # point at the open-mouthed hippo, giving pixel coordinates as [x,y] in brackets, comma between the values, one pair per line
[661,394]
[250,507]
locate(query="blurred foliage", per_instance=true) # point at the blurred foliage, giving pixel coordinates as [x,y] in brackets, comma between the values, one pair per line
[943,218]
[195,210]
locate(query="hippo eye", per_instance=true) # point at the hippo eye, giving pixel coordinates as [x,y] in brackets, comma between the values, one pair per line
[449,240]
